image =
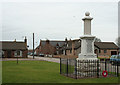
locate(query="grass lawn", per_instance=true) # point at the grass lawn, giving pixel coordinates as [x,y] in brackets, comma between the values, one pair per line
[41,72]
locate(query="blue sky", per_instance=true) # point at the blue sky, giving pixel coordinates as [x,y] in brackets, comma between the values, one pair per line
[57,20]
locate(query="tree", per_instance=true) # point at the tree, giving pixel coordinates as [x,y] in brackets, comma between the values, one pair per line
[97,40]
[118,41]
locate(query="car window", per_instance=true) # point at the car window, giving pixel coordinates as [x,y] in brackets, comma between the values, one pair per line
[113,56]
[119,57]
[116,56]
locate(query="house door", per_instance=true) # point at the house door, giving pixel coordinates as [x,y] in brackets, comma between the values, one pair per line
[113,52]
[9,54]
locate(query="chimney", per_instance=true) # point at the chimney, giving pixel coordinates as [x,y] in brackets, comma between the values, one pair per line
[66,39]
[47,41]
[15,40]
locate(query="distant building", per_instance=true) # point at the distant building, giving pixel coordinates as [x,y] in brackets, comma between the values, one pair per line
[73,47]
[106,48]
[51,47]
[11,49]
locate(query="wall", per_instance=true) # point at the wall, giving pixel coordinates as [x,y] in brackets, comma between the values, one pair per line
[47,49]
[108,52]
[12,54]
[24,53]
[101,53]
[37,51]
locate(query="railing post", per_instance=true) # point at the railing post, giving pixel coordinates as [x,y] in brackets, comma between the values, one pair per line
[117,69]
[97,68]
[75,69]
[60,66]
[67,67]
[105,65]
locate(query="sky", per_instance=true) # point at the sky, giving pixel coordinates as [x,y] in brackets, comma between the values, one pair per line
[57,20]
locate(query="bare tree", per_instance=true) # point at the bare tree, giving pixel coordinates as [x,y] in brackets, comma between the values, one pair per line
[97,40]
[118,41]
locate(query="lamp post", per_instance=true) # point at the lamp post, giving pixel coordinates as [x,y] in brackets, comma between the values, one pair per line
[65,47]
[33,45]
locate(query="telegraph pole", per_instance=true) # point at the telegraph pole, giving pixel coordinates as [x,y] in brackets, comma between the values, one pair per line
[33,45]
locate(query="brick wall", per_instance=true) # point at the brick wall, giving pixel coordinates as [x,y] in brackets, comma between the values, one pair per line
[107,53]
[47,49]
[12,54]
[37,51]
[24,53]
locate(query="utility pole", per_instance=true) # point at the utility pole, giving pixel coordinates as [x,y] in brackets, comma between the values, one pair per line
[33,45]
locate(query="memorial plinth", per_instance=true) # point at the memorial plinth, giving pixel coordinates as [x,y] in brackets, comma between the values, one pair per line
[87,48]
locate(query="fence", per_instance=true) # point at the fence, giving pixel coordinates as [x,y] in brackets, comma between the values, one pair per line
[88,68]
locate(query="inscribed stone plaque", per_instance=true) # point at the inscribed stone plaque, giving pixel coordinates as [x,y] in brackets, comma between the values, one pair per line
[89,46]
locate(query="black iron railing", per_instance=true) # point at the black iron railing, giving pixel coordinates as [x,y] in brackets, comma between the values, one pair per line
[88,68]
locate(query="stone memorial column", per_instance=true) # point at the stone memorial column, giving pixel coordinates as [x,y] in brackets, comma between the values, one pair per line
[87,40]
[84,65]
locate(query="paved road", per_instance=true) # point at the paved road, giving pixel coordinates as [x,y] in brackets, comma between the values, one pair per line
[57,60]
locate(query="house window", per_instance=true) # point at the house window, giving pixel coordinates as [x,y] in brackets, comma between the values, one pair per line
[113,52]
[70,51]
[2,53]
[67,45]
[105,51]
[18,53]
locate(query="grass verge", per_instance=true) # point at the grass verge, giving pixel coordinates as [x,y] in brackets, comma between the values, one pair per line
[41,72]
